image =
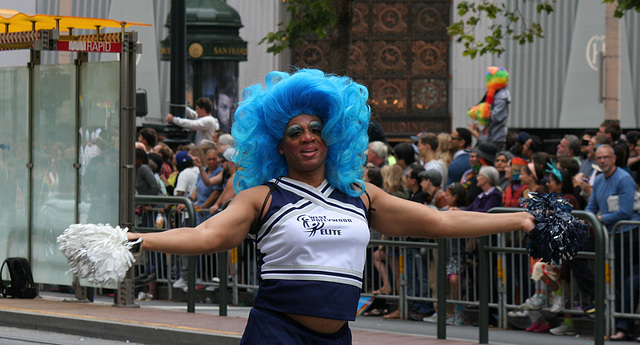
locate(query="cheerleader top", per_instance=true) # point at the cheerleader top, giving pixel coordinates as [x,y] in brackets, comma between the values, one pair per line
[311,246]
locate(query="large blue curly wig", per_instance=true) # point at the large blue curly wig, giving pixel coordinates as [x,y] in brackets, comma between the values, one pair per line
[262,117]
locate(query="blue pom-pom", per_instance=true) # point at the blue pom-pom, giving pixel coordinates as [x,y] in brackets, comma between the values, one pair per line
[558,235]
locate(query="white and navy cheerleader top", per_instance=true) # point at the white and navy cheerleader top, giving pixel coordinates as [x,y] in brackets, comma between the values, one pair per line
[311,250]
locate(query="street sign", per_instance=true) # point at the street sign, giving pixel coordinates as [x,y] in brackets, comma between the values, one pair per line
[85,46]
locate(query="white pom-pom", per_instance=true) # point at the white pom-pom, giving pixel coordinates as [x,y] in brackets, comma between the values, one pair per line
[97,252]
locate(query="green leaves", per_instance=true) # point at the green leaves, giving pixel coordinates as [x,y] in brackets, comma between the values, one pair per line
[624,5]
[307,17]
[509,24]
[512,26]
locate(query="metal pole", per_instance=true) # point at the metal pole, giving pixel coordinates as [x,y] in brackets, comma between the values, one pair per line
[483,310]
[191,276]
[223,264]
[441,288]
[178,32]
[34,61]
[126,216]
[178,35]
[82,293]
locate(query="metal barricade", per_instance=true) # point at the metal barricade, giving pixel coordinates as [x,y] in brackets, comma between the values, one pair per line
[623,274]
[172,218]
[599,256]
[497,257]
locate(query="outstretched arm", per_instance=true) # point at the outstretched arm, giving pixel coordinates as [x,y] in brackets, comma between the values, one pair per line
[397,217]
[222,232]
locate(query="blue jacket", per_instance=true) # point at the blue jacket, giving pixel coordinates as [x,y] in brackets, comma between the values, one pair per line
[457,167]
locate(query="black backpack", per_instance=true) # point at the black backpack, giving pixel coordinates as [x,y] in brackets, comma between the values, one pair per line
[22,285]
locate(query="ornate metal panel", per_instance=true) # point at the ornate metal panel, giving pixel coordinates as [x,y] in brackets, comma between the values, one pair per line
[400,51]
[390,57]
[312,54]
[430,58]
[390,19]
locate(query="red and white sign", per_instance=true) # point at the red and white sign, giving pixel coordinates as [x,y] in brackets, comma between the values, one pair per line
[85,46]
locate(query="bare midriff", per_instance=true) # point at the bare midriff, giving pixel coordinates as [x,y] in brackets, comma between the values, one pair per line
[319,324]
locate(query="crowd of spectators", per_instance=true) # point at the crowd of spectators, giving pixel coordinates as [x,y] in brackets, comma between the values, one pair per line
[597,172]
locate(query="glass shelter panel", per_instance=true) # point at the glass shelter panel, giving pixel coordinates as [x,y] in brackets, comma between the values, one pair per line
[14,148]
[99,142]
[54,175]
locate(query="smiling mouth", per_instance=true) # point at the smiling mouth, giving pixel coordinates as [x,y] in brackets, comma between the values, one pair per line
[309,152]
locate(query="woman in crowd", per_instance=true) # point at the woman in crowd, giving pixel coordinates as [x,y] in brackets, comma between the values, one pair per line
[456,197]
[444,156]
[490,196]
[503,159]
[300,143]
[529,176]
[516,188]
[394,182]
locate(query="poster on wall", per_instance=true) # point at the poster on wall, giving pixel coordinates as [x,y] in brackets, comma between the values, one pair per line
[219,83]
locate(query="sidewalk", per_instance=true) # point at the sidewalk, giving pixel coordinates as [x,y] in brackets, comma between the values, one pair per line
[158,322]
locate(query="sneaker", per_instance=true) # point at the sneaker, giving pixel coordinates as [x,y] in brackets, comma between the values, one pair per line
[590,310]
[518,313]
[459,319]
[528,301]
[144,296]
[216,283]
[432,319]
[563,329]
[535,302]
[543,328]
[533,326]
[558,304]
[180,284]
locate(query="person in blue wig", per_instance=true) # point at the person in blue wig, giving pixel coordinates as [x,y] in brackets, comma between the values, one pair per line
[300,149]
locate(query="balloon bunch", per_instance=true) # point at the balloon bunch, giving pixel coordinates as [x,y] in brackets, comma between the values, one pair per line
[558,235]
[100,253]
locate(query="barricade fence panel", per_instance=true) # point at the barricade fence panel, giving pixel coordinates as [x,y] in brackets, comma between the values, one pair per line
[624,274]
[401,273]
[394,267]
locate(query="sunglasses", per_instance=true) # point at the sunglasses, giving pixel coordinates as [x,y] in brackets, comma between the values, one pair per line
[585,143]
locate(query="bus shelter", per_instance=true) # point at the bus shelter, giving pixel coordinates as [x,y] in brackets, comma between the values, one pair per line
[67,134]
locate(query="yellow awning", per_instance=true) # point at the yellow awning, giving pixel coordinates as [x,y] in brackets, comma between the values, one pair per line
[25,22]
